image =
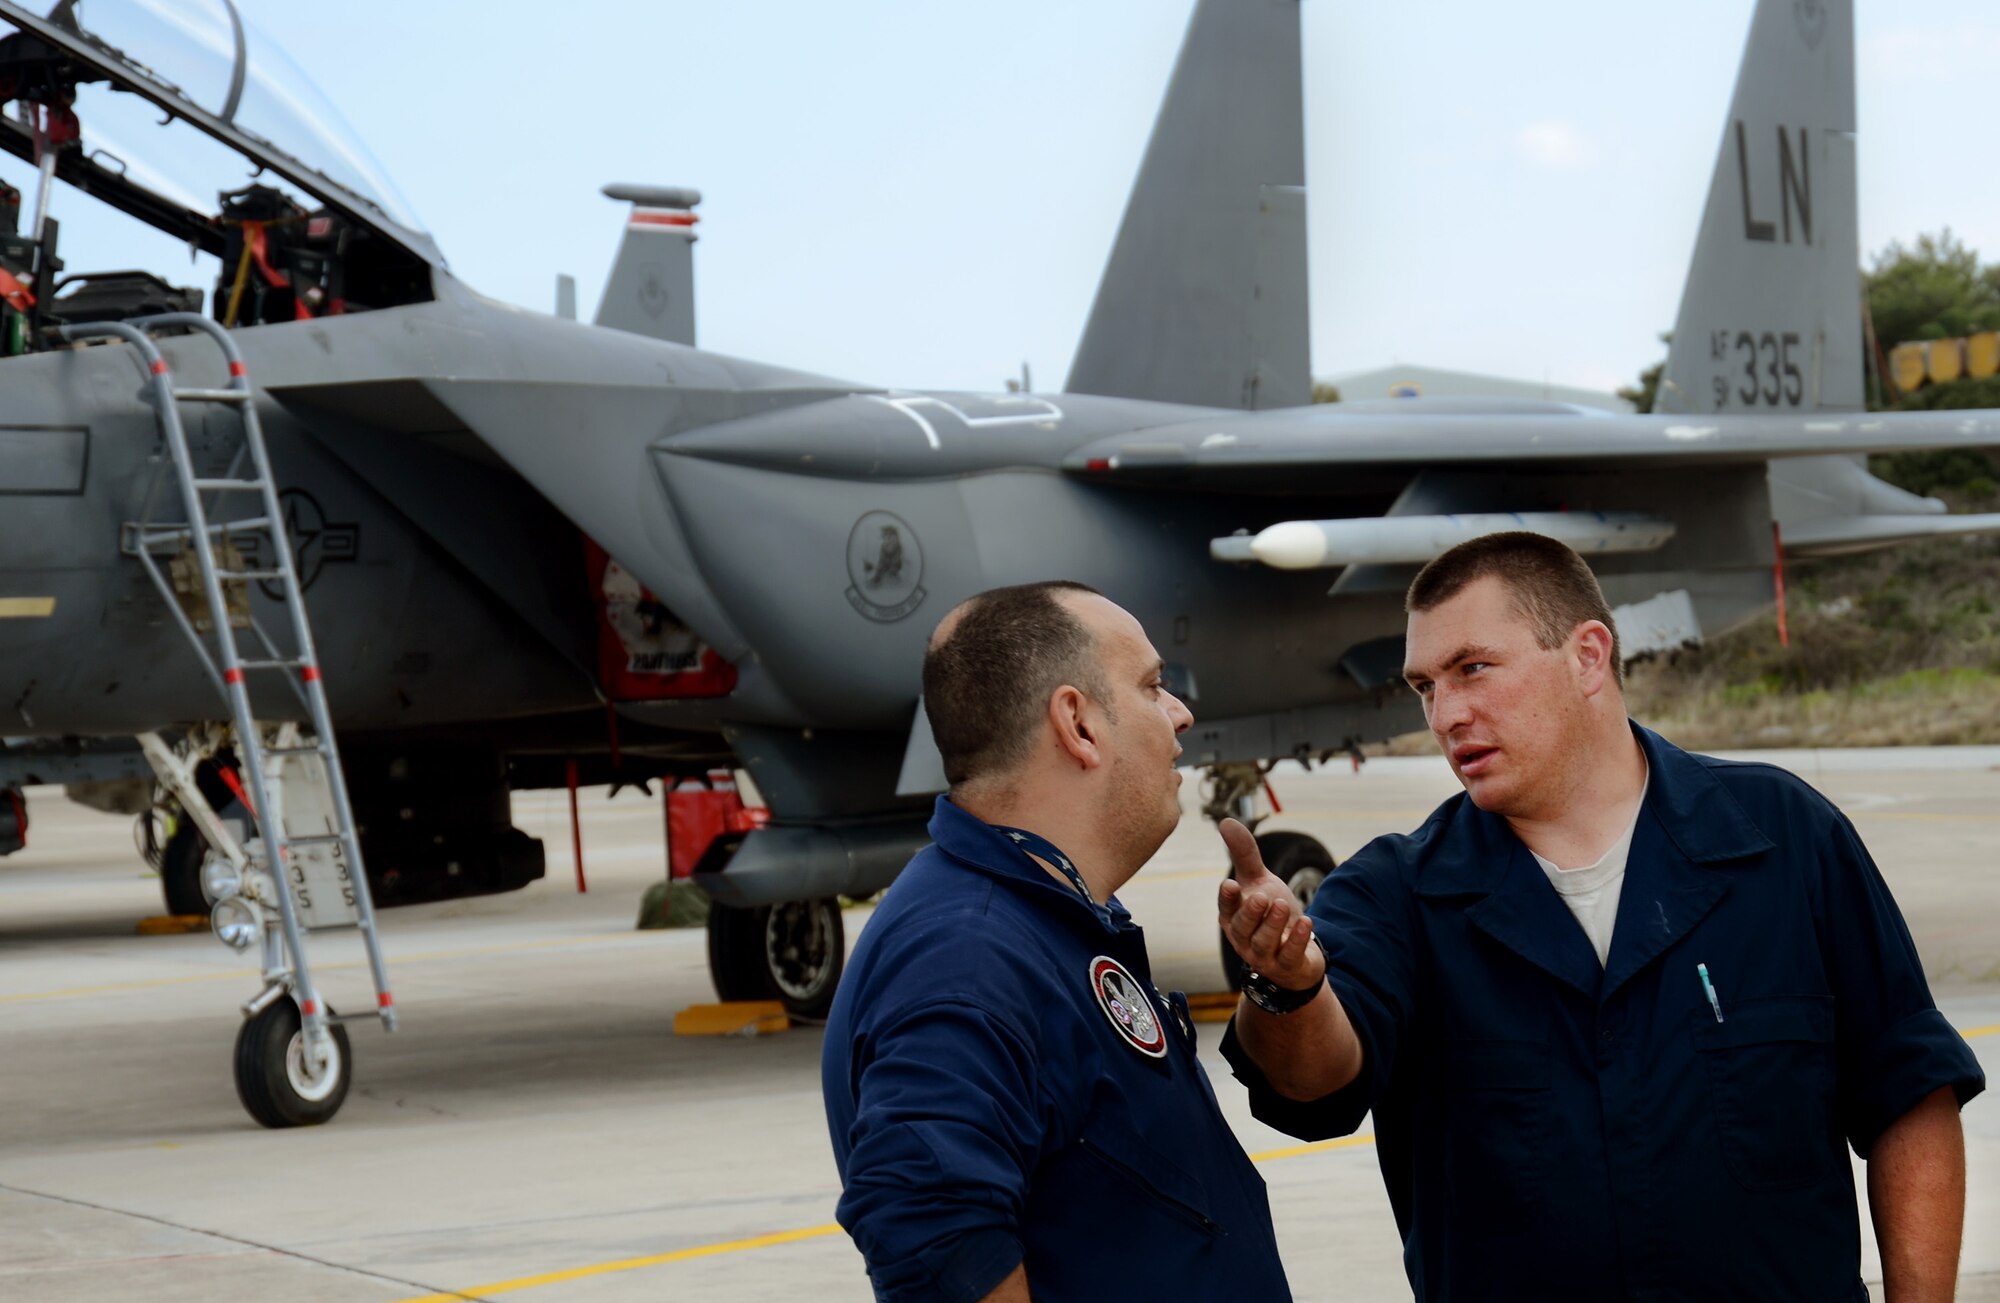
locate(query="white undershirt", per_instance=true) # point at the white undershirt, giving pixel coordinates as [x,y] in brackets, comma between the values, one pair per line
[1591,892]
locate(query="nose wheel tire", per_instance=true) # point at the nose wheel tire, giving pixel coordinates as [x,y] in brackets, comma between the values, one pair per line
[1301,863]
[279,1082]
[792,952]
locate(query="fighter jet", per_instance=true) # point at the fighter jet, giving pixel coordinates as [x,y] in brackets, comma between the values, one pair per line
[524,540]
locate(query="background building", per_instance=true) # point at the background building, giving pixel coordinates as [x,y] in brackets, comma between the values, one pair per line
[1412,381]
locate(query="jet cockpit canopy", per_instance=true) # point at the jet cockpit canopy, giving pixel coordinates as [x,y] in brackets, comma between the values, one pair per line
[183,115]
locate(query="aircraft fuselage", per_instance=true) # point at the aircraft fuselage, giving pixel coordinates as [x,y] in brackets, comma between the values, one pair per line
[811,532]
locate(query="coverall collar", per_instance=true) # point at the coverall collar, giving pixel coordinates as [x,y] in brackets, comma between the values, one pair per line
[973,842]
[1689,826]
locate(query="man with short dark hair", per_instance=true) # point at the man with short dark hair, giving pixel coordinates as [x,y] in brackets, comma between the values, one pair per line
[1614,1008]
[1016,1110]
[1548,585]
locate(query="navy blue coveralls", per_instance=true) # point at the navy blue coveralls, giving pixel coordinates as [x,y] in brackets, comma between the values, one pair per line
[1550,1130]
[986,1111]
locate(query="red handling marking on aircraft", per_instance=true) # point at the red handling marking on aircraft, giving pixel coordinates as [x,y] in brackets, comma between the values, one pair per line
[13,293]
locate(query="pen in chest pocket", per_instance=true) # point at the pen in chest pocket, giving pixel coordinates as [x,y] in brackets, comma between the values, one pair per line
[1708,989]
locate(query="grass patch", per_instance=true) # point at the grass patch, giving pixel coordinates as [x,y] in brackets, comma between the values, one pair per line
[1900,647]
[1892,648]
[1928,707]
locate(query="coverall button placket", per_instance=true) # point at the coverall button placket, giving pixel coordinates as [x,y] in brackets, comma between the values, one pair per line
[1625,1134]
[1737,867]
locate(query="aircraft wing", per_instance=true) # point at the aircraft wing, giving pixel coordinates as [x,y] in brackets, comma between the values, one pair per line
[1301,448]
[1838,535]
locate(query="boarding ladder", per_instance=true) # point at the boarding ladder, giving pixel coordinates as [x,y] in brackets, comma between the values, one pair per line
[328,840]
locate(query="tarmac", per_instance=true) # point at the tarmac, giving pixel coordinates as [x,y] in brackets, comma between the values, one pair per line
[535,1129]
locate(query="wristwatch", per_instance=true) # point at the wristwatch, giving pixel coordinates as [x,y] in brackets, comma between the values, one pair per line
[1272,998]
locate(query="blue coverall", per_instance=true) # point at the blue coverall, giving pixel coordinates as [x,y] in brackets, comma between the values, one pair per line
[1552,1130]
[987,1108]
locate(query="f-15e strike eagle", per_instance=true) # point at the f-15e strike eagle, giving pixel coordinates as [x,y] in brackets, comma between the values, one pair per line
[524,540]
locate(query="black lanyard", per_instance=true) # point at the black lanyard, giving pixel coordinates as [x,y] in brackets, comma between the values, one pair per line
[1034,844]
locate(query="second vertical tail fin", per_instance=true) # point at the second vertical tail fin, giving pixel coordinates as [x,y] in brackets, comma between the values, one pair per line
[1771,316]
[1204,296]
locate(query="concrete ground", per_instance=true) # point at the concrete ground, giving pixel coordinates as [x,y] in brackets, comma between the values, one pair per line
[535,1128]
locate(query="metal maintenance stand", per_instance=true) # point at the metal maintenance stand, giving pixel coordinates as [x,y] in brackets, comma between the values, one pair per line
[304,871]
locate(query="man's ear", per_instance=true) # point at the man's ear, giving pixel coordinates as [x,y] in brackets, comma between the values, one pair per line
[1070,714]
[1591,646]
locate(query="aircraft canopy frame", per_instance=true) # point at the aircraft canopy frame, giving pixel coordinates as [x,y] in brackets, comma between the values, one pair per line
[65,29]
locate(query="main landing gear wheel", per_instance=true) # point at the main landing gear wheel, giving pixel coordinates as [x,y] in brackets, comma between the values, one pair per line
[186,851]
[180,870]
[792,951]
[275,1078]
[1302,863]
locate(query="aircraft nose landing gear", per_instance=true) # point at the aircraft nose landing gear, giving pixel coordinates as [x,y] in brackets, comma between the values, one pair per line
[1300,861]
[282,1077]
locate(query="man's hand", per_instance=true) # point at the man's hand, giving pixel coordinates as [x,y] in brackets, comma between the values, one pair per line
[1262,919]
[1311,1052]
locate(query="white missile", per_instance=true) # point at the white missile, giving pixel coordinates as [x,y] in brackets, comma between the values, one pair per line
[1412,540]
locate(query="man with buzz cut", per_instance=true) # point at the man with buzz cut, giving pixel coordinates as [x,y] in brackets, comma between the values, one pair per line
[1617,1009]
[1016,1110]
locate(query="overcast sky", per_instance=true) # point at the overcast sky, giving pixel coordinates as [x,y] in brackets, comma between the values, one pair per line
[923,194]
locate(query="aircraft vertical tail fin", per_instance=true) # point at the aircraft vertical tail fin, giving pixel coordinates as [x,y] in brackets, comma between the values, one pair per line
[1203,299]
[651,287]
[1771,315]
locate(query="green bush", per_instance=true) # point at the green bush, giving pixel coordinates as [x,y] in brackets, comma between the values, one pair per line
[1956,396]
[1933,469]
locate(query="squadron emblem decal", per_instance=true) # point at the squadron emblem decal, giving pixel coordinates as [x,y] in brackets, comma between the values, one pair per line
[886,565]
[652,290]
[1811,18]
[1124,1002]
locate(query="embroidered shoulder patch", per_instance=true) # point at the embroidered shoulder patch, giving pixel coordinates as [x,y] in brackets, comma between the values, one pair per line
[1124,1002]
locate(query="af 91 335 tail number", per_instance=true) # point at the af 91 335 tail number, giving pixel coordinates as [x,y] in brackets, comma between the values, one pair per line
[1764,370]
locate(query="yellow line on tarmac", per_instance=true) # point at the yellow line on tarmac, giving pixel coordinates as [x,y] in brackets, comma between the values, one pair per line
[114,988]
[468,952]
[767,1241]
[817,1232]
[629,1264]
[237,975]
[1317,1147]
